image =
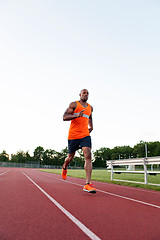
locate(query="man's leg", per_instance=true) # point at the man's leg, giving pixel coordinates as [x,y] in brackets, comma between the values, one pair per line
[88,167]
[68,159]
[88,163]
[65,165]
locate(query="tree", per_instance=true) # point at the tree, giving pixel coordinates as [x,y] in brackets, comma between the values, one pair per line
[61,156]
[38,154]
[139,150]
[19,157]
[49,157]
[100,157]
[4,157]
[153,149]
[28,158]
[52,157]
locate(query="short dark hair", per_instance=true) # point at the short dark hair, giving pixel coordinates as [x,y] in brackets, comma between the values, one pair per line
[84,89]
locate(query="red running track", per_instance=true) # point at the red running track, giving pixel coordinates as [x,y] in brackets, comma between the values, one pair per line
[36,205]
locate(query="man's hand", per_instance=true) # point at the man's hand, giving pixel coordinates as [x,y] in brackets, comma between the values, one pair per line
[90,129]
[80,114]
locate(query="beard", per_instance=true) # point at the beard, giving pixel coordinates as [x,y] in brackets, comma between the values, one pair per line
[85,99]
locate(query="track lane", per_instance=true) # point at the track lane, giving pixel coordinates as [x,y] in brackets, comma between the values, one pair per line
[25,213]
[4,171]
[149,197]
[108,216]
[68,214]
[101,211]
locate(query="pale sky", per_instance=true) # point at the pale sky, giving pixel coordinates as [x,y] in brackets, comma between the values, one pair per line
[50,50]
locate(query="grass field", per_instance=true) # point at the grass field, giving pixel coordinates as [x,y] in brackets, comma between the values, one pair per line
[105,176]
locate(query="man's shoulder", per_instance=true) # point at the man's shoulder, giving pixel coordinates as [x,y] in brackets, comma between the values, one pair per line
[73,105]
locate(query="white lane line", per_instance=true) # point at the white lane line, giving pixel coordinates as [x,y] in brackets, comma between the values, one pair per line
[113,194]
[130,199]
[5,172]
[89,233]
[133,188]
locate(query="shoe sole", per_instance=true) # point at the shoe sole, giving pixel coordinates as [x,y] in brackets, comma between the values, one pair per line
[91,191]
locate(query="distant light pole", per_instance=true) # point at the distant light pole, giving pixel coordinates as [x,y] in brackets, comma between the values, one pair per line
[146,149]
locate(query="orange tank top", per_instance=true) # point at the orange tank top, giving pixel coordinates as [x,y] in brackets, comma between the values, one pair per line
[79,126]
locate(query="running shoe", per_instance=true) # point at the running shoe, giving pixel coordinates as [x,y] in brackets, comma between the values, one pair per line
[64,173]
[89,187]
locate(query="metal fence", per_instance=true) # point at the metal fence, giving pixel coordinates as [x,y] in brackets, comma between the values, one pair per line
[27,165]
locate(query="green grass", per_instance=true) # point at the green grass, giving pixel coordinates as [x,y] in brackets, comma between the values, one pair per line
[105,176]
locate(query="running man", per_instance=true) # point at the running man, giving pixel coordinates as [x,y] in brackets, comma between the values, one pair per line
[80,114]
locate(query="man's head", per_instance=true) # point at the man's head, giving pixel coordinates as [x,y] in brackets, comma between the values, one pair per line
[84,95]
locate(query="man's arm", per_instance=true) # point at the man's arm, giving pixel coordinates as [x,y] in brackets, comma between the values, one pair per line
[68,114]
[90,121]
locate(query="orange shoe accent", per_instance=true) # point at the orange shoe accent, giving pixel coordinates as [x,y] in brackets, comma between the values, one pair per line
[90,188]
[64,174]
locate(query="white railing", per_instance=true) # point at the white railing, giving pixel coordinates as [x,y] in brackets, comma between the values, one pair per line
[134,162]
